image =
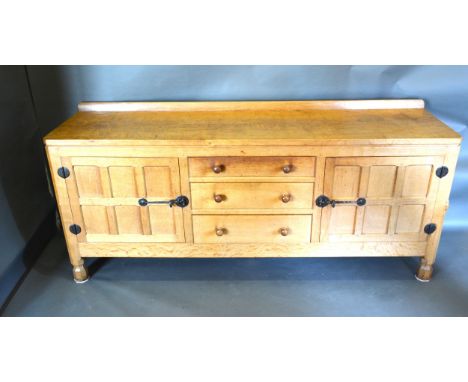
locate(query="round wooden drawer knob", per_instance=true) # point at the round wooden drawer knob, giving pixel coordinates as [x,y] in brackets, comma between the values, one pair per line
[220,231]
[285,198]
[287,168]
[284,231]
[218,198]
[218,168]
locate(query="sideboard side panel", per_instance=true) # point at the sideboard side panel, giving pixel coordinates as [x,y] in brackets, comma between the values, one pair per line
[63,205]
[441,204]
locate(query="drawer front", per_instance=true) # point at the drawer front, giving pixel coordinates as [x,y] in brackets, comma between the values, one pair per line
[251,195]
[252,228]
[252,166]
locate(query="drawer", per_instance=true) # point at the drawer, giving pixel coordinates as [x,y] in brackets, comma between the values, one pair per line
[252,228]
[251,195]
[252,166]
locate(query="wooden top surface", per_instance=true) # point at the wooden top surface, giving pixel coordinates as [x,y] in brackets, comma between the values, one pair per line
[253,123]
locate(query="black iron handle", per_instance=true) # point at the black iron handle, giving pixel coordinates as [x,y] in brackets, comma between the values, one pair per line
[181,201]
[323,201]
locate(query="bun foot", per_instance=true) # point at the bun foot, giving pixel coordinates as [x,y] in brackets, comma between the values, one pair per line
[424,273]
[80,274]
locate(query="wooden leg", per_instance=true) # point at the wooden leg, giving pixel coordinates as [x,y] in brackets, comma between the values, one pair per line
[425,271]
[80,273]
[426,267]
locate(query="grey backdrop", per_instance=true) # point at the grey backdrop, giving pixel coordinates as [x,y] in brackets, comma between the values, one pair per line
[38,98]
[26,223]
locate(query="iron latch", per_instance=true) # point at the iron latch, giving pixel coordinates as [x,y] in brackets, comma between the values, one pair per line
[323,201]
[181,201]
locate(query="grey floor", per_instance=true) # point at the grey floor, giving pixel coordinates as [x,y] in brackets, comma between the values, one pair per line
[247,287]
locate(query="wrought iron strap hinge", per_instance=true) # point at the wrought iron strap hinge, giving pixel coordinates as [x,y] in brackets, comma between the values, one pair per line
[430,228]
[442,171]
[75,229]
[63,172]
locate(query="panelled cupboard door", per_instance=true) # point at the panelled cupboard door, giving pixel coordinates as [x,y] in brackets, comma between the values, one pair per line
[104,194]
[399,195]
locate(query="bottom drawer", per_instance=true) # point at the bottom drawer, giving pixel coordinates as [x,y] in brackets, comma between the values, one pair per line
[252,228]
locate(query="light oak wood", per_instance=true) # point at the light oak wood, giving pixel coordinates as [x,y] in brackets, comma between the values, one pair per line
[73,196]
[284,167]
[251,228]
[104,193]
[255,126]
[400,193]
[252,250]
[252,172]
[244,179]
[253,105]
[185,189]
[255,211]
[441,205]
[425,270]
[80,273]
[278,150]
[251,195]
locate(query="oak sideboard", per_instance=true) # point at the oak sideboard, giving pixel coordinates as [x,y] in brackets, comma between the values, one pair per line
[252,179]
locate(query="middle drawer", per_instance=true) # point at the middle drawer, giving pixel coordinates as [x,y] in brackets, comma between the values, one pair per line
[252,195]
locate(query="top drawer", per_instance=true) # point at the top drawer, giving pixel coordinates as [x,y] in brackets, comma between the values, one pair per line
[252,166]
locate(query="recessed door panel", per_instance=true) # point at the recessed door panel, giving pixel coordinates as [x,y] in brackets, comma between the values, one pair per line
[123,181]
[410,218]
[382,181]
[346,181]
[343,220]
[417,181]
[88,181]
[376,219]
[399,195]
[95,219]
